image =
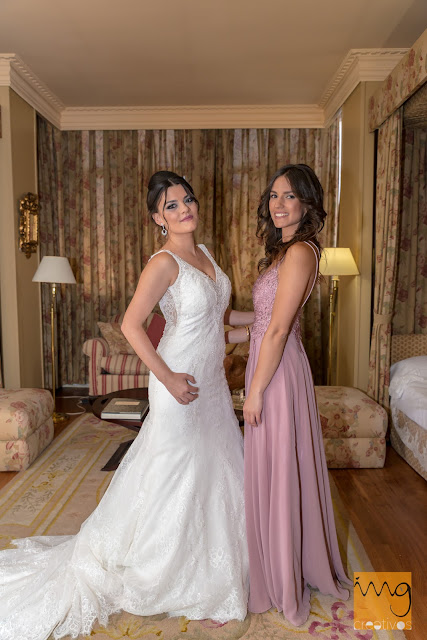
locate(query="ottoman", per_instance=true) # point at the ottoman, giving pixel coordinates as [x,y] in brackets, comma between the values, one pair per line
[353,427]
[26,426]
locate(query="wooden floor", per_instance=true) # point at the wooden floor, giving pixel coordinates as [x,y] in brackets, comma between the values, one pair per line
[388,508]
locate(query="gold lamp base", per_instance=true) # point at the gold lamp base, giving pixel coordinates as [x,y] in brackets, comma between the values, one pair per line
[59,418]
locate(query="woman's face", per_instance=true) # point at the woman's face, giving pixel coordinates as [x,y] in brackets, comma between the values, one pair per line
[285,209]
[180,212]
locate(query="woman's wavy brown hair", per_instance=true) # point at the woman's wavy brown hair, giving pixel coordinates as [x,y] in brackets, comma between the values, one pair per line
[307,188]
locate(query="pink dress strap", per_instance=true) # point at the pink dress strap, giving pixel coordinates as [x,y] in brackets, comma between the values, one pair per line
[317,254]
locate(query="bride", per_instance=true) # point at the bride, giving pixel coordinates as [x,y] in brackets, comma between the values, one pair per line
[169,534]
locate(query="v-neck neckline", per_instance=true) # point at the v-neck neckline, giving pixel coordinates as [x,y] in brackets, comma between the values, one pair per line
[199,270]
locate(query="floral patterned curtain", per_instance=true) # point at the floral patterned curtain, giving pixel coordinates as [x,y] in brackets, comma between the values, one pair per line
[93,185]
[1,364]
[388,188]
[410,315]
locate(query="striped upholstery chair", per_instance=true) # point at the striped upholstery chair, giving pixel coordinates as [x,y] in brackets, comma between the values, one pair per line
[109,372]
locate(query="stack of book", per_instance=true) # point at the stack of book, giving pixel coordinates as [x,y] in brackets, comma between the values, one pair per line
[125,409]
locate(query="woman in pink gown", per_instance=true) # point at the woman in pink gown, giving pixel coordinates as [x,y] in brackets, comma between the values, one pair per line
[289,517]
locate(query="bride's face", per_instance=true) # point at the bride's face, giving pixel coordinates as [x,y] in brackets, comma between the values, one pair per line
[179,212]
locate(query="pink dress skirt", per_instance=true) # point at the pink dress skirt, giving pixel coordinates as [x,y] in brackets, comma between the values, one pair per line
[289,516]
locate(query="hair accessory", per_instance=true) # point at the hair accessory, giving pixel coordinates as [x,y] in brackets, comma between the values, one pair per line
[164,230]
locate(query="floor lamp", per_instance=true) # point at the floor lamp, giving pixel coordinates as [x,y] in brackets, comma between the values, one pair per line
[54,270]
[335,262]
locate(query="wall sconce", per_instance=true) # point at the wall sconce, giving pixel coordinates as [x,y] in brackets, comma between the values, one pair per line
[29,224]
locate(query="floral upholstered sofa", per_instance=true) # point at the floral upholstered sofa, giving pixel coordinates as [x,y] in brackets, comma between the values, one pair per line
[113,364]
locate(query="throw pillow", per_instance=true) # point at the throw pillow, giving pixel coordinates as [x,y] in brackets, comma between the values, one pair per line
[117,343]
[155,329]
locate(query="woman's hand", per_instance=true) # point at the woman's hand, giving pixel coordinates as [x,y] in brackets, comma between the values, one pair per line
[178,387]
[252,409]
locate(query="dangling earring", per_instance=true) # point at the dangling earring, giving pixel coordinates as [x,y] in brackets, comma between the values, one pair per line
[164,230]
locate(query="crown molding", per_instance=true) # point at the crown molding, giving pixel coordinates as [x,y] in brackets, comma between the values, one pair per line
[19,77]
[359,65]
[193,117]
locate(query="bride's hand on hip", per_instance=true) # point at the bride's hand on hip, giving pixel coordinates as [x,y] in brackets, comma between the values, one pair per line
[252,409]
[178,387]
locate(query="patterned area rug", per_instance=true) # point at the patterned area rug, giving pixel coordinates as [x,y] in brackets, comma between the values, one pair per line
[63,486]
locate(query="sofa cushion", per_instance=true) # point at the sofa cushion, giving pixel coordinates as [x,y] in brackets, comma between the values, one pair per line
[17,455]
[123,365]
[23,411]
[346,412]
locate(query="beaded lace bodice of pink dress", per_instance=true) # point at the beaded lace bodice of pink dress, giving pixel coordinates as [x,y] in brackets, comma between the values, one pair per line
[264,293]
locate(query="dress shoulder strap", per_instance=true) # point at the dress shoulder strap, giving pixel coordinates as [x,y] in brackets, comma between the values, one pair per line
[177,258]
[314,247]
[317,254]
[207,252]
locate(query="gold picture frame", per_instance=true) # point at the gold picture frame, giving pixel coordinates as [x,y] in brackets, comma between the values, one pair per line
[29,224]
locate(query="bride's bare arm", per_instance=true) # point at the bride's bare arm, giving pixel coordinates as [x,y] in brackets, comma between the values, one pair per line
[158,275]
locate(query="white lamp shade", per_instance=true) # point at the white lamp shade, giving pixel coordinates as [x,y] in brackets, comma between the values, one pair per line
[54,269]
[336,261]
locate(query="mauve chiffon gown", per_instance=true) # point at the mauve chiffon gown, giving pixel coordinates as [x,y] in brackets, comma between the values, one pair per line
[289,516]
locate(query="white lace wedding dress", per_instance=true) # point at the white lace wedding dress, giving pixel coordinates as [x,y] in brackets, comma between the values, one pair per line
[169,533]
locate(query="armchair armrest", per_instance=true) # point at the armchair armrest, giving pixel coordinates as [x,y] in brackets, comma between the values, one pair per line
[96,348]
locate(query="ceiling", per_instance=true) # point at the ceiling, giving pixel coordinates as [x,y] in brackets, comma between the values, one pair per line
[199,52]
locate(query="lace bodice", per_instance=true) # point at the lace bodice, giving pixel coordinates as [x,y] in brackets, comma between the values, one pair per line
[264,293]
[194,306]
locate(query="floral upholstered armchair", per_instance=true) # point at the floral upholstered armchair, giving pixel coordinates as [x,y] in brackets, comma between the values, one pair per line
[113,364]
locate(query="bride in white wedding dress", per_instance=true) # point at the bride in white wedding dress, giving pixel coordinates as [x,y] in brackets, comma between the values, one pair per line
[169,534]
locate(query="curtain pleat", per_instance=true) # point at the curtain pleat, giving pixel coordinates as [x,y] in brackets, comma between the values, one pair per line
[410,313]
[93,187]
[388,189]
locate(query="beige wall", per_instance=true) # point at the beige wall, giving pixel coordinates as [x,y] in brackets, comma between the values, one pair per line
[20,297]
[356,232]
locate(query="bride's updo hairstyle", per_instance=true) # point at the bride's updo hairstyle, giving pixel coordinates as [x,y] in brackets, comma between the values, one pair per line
[307,188]
[159,185]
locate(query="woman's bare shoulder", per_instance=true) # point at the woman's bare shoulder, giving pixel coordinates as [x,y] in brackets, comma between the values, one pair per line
[300,254]
[162,262]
